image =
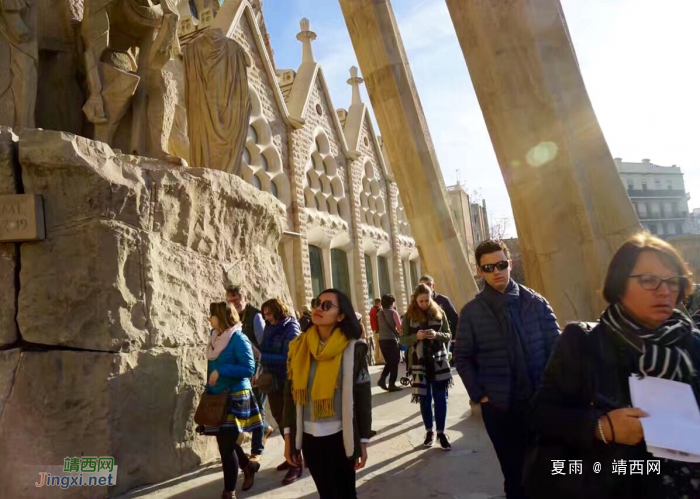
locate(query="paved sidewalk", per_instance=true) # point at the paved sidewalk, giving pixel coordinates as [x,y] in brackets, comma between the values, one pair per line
[398,465]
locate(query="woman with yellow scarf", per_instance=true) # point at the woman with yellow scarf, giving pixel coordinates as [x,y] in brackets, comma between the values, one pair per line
[328,397]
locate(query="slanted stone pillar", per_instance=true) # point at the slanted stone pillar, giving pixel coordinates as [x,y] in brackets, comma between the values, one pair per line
[380,52]
[571,209]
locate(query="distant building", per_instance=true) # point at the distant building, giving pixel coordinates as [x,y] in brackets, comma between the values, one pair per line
[695,220]
[471,219]
[461,210]
[480,223]
[658,195]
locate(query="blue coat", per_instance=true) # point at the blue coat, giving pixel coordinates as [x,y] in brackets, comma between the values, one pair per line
[481,352]
[236,365]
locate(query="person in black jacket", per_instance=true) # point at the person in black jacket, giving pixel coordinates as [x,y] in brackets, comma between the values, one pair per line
[504,339]
[329,387]
[583,410]
[444,303]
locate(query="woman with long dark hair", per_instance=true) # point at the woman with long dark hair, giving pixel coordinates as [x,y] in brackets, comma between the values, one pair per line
[388,333]
[427,334]
[280,330]
[230,366]
[583,408]
[328,397]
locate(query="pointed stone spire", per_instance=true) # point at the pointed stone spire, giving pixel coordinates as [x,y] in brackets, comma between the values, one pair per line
[355,81]
[306,36]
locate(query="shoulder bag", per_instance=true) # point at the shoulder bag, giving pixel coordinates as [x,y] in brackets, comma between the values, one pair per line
[211,410]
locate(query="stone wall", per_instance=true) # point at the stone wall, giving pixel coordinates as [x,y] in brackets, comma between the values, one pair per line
[113,308]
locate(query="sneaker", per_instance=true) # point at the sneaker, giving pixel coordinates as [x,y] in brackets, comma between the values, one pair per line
[429,438]
[444,442]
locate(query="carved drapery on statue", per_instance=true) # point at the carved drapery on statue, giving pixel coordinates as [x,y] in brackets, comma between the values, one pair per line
[218,101]
[18,63]
[127,44]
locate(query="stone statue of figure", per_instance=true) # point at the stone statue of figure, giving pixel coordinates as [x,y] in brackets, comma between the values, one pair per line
[18,63]
[218,101]
[127,44]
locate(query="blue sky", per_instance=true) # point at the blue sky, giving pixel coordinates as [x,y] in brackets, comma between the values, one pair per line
[640,60]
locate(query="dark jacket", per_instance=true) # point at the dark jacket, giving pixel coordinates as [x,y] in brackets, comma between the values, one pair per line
[587,377]
[450,311]
[247,317]
[482,353]
[275,348]
[362,399]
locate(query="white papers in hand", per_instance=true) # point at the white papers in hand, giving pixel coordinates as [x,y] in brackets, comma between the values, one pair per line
[672,430]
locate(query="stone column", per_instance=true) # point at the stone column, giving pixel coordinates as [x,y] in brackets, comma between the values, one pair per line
[380,52]
[571,209]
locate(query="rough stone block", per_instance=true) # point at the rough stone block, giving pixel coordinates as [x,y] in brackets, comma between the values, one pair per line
[9,359]
[82,179]
[137,407]
[8,164]
[83,287]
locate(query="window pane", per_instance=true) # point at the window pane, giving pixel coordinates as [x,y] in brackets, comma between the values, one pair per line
[316,264]
[252,134]
[370,279]
[246,156]
[263,162]
[341,275]
[384,282]
[414,275]
[256,182]
[407,282]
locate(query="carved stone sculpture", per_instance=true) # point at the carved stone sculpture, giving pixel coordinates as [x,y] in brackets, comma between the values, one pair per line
[218,102]
[18,63]
[127,44]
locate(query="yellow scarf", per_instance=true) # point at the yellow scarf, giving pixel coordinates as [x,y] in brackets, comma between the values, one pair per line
[326,379]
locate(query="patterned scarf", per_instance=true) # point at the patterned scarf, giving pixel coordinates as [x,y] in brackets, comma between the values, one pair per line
[326,379]
[663,351]
[422,371]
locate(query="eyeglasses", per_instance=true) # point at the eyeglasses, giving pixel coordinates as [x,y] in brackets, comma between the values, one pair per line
[489,267]
[652,282]
[326,305]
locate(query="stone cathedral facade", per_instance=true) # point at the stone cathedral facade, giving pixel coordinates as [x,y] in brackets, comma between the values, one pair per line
[346,226]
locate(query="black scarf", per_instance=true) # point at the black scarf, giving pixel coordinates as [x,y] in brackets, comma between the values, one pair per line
[505,308]
[663,351]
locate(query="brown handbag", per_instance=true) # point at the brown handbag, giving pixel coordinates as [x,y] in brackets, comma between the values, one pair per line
[211,410]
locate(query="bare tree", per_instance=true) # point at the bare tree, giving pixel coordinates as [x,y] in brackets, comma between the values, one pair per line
[498,228]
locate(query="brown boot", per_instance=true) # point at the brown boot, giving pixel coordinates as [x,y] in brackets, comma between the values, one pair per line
[293,474]
[249,474]
[283,466]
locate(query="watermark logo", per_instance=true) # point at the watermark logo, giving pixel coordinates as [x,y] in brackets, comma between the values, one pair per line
[83,471]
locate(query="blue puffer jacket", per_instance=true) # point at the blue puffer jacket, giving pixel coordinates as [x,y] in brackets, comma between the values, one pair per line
[481,352]
[275,348]
[236,365]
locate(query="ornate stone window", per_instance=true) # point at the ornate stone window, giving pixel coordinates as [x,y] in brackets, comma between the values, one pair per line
[316,264]
[261,161]
[372,203]
[324,190]
[404,227]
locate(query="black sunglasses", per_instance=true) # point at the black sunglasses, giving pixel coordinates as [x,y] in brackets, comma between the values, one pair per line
[489,267]
[652,282]
[326,305]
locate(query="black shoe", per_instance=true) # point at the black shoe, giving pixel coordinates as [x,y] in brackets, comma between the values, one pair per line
[429,439]
[382,384]
[394,388]
[444,442]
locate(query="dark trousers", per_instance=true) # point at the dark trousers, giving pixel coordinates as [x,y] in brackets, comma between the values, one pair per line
[257,446]
[508,430]
[232,457]
[332,471]
[392,357]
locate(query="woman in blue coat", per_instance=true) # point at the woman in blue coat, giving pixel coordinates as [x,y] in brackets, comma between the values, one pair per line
[230,366]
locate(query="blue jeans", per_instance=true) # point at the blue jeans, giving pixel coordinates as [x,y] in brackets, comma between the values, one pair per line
[256,445]
[437,391]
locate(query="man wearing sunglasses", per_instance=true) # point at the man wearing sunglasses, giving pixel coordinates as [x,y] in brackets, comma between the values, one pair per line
[504,339]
